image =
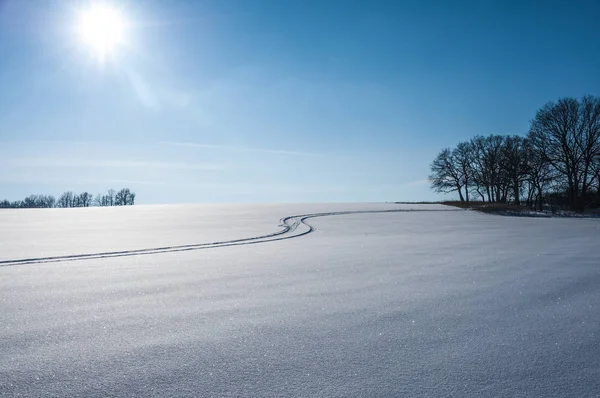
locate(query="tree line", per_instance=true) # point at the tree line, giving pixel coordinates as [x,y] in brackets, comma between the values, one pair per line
[557,162]
[124,197]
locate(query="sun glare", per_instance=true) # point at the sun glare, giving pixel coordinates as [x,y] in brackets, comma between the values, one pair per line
[101,28]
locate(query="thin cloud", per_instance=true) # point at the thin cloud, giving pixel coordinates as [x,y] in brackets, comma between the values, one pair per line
[65,162]
[163,165]
[239,149]
[123,181]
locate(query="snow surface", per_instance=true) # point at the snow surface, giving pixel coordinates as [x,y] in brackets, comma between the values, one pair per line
[434,302]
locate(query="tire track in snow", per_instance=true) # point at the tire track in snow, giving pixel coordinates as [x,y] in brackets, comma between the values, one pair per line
[290,229]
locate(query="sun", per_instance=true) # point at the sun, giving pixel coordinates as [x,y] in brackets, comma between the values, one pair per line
[101,28]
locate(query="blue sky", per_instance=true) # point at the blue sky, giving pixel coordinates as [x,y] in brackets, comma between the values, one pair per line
[277,101]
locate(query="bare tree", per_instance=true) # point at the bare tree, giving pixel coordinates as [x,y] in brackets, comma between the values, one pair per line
[566,134]
[69,199]
[486,169]
[50,201]
[65,200]
[445,174]
[85,199]
[124,197]
[120,198]
[30,202]
[97,201]
[514,165]
[589,142]
[540,176]
[463,158]
[131,201]
[111,197]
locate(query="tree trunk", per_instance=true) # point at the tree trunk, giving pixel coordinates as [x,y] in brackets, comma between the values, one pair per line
[516,192]
[538,199]
[462,198]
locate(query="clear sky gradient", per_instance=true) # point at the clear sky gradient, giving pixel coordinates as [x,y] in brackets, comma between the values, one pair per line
[277,101]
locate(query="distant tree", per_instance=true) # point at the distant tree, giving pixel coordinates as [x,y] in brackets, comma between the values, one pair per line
[515,165]
[69,199]
[539,177]
[31,202]
[124,197]
[97,201]
[590,144]
[5,204]
[446,175]
[50,201]
[487,172]
[120,198]
[111,197]
[566,134]
[463,159]
[65,200]
[85,199]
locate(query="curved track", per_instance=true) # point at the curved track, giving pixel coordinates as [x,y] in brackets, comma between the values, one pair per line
[292,227]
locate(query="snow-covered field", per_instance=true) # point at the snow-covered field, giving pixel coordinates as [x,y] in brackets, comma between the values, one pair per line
[217,300]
